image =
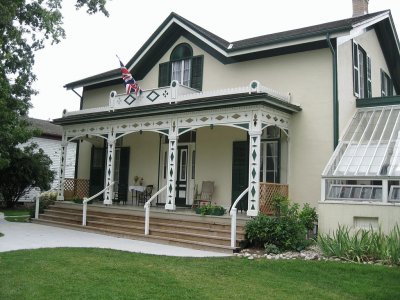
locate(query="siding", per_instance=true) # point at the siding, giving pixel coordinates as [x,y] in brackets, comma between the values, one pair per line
[53,149]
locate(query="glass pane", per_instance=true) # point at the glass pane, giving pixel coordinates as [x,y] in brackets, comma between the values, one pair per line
[335,192]
[366,193]
[356,193]
[183,165]
[376,193]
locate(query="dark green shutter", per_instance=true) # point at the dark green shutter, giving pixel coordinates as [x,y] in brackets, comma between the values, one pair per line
[197,72]
[164,75]
[369,81]
[356,76]
[382,84]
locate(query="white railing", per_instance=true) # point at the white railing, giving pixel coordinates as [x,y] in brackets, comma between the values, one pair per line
[86,200]
[147,210]
[37,200]
[233,214]
[176,93]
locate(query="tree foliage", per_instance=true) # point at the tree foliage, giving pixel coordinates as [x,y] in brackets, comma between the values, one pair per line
[25,26]
[29,168]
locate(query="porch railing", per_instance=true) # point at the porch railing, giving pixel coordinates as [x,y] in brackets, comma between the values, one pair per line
[147,210]
[233,214]
[86,200]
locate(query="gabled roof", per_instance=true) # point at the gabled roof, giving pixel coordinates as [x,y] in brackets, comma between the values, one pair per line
[47,128]
[297,40]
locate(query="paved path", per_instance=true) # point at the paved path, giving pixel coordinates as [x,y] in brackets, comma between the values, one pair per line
[32,236]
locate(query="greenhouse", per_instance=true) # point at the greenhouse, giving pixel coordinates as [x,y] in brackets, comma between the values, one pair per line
[365,166]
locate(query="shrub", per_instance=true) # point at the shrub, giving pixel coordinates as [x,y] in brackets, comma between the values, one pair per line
[362,245]
[211,209]
[45,200]
[286,230]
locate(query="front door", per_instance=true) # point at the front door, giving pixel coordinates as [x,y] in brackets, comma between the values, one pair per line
[240,172]
[182,176]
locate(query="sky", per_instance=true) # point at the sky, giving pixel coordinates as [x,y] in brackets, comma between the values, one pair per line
[93,40]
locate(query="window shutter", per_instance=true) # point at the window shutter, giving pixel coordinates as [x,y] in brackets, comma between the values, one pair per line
[356,75]
[383,93]
[369,81]
[164,74]
[197,72]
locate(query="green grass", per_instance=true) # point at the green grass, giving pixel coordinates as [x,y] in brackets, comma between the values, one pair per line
[108,274]
[16,215]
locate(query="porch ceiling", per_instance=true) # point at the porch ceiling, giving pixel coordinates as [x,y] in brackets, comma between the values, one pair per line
[216,102]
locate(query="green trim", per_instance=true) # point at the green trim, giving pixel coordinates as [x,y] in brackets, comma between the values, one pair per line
[237,100]
[245,126]
[180,130]
[378,101]
[335,94]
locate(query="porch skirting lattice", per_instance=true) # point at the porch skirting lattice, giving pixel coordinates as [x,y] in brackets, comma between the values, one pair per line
[267,192]
[76,188]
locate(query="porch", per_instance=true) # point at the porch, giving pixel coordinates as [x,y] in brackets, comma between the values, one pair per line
[79,189]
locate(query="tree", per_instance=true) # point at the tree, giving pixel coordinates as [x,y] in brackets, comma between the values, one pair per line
[29,168]
[25,26]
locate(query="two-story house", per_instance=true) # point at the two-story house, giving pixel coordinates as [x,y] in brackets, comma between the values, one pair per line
[267,109]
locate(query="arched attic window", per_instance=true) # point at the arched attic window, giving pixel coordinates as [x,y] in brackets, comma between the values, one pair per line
[183,67]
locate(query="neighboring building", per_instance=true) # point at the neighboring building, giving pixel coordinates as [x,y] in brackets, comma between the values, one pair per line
[50,142]
[265,109]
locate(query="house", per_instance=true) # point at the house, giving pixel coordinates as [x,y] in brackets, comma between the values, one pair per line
[50,141]
[298,108]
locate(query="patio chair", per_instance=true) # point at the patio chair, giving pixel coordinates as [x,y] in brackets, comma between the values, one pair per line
[146,195]
[207,190]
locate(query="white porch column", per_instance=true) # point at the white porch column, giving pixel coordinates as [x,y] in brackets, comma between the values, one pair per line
[109,169]
[172,168]
[61,173]
[254,168]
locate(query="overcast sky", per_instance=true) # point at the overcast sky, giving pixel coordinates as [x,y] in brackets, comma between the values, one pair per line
[93,41]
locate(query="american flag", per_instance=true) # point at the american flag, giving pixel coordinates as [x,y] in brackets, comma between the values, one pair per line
[130,83]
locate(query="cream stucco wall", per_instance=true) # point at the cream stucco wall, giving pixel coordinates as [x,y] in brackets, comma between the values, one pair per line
[346,214]
[214,159]
[347,101]
[143,160]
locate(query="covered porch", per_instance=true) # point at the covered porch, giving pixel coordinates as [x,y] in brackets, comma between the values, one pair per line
[236,139]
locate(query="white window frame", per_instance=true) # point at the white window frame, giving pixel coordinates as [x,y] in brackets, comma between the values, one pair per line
[181,71]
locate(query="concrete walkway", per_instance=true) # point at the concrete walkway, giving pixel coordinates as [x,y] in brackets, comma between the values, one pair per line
[33,236]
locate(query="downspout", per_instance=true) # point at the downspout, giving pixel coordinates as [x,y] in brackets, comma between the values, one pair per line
[335,94]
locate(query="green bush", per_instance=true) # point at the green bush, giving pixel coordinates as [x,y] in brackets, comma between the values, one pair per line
[362,245]
[45,200]
[287,230]
[210,209]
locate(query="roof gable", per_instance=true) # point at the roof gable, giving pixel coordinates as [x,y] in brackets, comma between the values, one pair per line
[297,40]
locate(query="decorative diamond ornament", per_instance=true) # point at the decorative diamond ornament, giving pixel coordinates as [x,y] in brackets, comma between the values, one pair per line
[219,118]
[153,96]
[129,100]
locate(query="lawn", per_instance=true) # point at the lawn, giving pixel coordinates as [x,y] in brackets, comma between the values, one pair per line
[108,274]
[16,215]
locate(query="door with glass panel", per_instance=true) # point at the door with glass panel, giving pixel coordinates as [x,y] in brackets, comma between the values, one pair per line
[182,176]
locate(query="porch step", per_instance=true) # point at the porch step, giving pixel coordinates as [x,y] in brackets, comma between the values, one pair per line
[193,231]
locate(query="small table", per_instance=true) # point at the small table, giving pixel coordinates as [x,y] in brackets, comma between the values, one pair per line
[137,189]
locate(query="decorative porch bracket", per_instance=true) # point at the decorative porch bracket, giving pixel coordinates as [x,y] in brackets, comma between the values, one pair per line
[172,168]
[61,173]
[109,169]
[254,173]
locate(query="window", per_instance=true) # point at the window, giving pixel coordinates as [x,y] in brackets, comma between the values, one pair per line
[362,83]
[270,159]
[386,85]
[183,67]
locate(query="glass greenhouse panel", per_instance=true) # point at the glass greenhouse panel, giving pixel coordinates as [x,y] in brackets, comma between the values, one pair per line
[370,146]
